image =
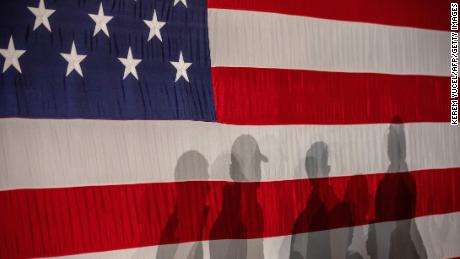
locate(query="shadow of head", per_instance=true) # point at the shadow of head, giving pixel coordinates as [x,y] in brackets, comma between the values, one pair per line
[191,165]
[316,162]
[246,160]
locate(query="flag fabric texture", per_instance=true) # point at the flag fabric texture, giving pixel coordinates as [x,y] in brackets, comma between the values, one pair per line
[227,129]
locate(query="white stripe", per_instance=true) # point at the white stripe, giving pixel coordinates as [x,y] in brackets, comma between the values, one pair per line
[440,237]
[58,153]
[260,39]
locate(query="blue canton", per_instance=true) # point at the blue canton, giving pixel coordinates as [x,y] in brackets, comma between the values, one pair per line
[109,59]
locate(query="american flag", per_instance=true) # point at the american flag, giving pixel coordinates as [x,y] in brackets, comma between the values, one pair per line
[227,129]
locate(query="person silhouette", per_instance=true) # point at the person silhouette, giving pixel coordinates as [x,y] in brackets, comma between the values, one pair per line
[229,225]
[315,216]
[405,239]
[357,196]
[240,207]
[190,166]
[340,238]
[351,211]
[395,200]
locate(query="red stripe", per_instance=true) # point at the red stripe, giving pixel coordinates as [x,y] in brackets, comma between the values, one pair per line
[429,14]
[275,96]
[51,222]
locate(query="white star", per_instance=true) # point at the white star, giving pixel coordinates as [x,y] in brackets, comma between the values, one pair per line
[154,26]
[101,21]
[73,60]
[11,56]
[182,1]
[41,15]
[181,68]
[130,64]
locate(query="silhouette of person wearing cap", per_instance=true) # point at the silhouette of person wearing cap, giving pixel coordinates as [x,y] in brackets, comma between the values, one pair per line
[241,214]
[395,200]
[190,166]
[315,216]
